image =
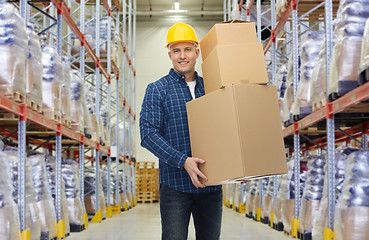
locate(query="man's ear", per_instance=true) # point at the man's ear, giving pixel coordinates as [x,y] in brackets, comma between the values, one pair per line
[197,53]
[170,55]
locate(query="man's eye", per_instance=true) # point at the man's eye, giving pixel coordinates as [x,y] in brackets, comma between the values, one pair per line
[176,50]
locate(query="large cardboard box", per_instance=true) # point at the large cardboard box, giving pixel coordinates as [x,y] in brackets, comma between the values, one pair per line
[233,64]
[237,131]
[231,32]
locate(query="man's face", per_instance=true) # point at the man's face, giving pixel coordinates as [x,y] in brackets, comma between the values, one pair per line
[183,56]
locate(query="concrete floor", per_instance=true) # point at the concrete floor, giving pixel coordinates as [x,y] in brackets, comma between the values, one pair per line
[143,223]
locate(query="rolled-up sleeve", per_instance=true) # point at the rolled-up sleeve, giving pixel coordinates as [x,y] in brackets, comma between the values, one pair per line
[151,121]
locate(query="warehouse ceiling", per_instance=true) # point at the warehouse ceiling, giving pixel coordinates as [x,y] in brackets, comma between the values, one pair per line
[164,10]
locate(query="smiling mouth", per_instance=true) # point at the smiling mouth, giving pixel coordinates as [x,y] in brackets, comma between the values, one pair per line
[183,63]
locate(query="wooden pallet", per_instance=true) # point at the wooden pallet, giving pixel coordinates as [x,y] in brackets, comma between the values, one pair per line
[8,115]
[145,165]
[318,105]
[67,123]
[144,197]
[16,96]
[34,106]
[77,127]
[49,113]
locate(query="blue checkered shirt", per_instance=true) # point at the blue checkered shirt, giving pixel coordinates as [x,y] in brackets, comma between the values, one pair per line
[164,129]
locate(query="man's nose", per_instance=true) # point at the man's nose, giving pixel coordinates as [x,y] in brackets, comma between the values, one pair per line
[183,55]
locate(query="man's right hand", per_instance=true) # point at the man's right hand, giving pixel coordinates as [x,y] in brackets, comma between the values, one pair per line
[192,167]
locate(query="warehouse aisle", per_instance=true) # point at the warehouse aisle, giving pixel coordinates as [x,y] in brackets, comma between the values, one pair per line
[143,223]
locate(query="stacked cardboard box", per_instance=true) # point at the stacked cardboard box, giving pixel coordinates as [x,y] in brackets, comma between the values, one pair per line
[147,182]
[235,126]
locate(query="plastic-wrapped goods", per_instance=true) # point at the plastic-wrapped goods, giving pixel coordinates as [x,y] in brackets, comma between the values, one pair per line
[90,196]
[256,203]
[9,216]
[313,193]
[90,35]
[318,80]
[32,217]
[51,175]
[287,106]
[77,98]
[34,67]
[66,93]
[364,61]
[90,102]
[237,195]
[245,187]
[251,195]
[45,203]
[309,52]
[14,51]
[287,193]
[117,53]
[70,172]
[105,185]
[346,55]
[321,220]
[267,206]
[281,81]
[352,210]
[277,207]
[280,6]
[52,77]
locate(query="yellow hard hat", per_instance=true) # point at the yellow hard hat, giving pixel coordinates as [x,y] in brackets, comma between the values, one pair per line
[181,32]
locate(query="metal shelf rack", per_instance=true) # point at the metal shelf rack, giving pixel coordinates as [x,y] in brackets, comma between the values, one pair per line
[333,123]
[31,125]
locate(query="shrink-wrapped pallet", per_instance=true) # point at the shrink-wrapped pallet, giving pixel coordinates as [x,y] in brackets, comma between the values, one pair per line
[345,62]
[13,51]
[90,102]
[90,36]
[77,98]
[364,61]
[251,195]
[90,193]
[32,218]
[321,220]
[318,80]
[281,81]
[352,210]
[51,175]
[313,193]
[111,186]
[45,203]
[66,93]
[34,68]
[268,199]
[76,211]
[52,78]
[9,216]
[287,193]
[309,52]
[256,203]
[277,206]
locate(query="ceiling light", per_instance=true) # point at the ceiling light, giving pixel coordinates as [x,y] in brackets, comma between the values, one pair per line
[176,5]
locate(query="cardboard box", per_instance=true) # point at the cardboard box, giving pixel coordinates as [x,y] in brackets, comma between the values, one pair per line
[233,64]
[231,32]
[237,131]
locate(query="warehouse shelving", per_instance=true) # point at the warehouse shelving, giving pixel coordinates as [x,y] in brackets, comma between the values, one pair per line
[31,126]
[338,121]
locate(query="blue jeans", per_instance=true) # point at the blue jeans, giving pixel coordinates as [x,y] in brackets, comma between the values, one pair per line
[177,207]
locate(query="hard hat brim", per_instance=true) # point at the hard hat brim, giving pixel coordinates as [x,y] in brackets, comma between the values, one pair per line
[167,45]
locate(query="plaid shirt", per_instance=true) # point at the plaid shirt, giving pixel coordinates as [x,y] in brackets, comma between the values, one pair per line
[164,129]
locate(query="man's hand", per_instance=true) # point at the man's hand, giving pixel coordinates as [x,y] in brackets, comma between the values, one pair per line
[191,166]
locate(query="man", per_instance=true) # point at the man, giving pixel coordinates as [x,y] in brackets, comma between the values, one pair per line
[164,132]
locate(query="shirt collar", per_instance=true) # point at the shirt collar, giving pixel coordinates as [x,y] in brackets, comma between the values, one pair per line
[179,77]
